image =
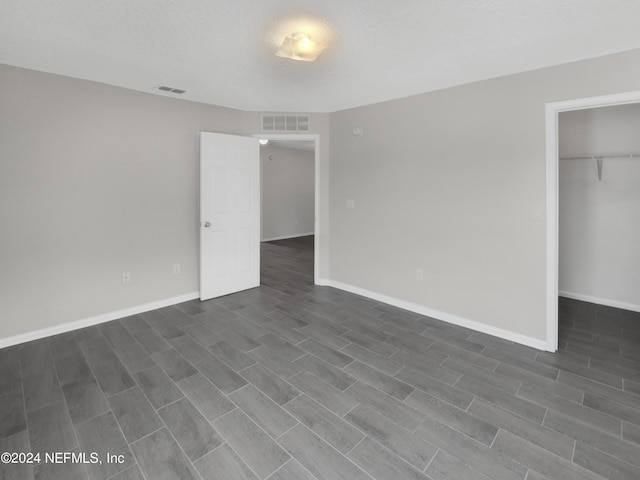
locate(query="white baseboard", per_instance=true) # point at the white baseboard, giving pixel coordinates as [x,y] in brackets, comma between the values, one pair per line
[445,317]
[88,322]
[323,282]
[412,307]
[285,237]
[600,301]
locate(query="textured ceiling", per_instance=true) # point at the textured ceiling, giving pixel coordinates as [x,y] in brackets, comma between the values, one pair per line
[222,52]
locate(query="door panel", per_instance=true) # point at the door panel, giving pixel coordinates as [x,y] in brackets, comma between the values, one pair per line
[229,214]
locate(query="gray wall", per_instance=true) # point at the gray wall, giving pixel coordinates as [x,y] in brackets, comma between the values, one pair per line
[447,182]
[287,192]
[600,221]
[94,181]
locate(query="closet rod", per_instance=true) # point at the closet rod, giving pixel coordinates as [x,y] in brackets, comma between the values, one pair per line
[600,158]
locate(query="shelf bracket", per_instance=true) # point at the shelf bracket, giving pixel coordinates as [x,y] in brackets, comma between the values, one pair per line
[599,164]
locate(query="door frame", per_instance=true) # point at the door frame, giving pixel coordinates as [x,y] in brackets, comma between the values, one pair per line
[552,163]
[316,224]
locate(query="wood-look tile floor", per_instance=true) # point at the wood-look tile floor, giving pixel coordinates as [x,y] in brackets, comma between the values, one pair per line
[292,381]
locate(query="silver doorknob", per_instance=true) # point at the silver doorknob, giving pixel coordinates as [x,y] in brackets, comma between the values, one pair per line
[207,224]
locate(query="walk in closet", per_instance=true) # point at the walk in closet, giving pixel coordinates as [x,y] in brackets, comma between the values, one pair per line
[599,206]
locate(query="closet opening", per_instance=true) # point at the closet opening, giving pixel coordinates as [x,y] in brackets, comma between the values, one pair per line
[593,225]
[599,230]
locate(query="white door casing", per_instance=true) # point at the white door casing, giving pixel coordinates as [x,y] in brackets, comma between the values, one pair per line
[229,214]
[552,143]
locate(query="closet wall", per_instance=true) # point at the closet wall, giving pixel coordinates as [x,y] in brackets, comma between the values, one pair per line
[600,220]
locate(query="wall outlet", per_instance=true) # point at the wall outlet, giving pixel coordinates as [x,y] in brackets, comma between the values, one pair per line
[351,203]
[419,274]
[126,277]
[176,268]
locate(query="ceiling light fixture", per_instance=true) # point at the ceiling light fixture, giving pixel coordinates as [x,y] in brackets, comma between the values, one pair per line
[299,46]
[263,141]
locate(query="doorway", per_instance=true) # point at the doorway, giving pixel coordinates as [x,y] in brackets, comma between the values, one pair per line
[308,145]
[553,111]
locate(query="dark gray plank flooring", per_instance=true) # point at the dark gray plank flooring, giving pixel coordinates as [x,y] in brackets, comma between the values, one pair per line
[294,381]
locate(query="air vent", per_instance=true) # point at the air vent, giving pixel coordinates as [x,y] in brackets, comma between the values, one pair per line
[283,122]
[164,88]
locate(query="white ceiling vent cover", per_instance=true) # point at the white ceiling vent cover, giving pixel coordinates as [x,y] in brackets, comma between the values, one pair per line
[281,122]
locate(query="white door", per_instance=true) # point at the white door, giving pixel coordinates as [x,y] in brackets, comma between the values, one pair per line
[229,214]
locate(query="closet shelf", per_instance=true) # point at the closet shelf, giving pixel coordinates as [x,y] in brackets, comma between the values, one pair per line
[599,159]
[595,157]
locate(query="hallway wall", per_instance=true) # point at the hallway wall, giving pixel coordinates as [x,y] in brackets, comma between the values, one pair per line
[288,190]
